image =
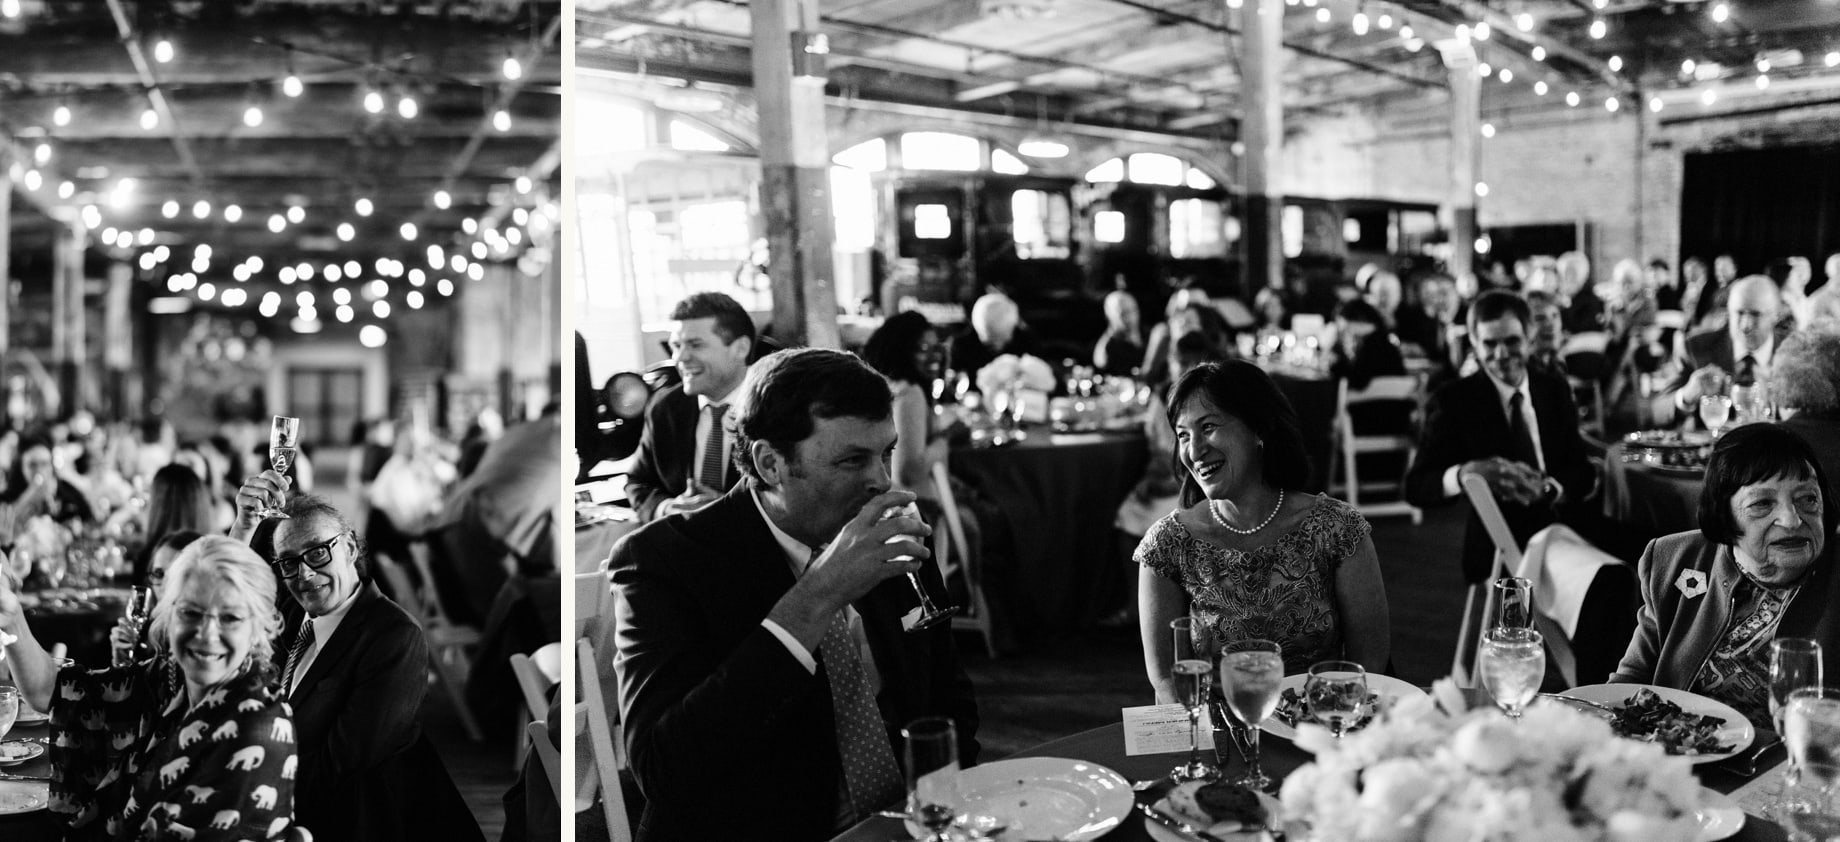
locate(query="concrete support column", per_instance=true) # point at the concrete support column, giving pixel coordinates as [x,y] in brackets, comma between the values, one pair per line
[1465,159]
[795,171]
[1262,132]
[6,250]
[119,397]
[68,340]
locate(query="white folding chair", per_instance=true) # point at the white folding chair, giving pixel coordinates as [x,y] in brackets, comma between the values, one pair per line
[1558,641]
[1351,443]
[447,643]
[954,556]
[1588,352]
[1479,602]
[536,673]
[603,740]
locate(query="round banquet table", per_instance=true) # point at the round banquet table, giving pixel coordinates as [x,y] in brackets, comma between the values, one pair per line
[1059,494]
[1650,499]
[38,825]
[78,618]
[1279,757]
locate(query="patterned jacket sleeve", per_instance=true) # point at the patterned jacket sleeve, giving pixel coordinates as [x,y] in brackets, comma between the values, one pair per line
[237,783]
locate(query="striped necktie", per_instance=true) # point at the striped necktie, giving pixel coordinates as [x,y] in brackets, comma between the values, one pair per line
[711,474]
[302,642]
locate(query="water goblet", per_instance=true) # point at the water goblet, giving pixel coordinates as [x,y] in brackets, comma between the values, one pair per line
[1795,663]
[1192,666]
[283,445]
[9,707]
[1336,694]
[930,759]
[1715,410]
[1251,672]
[930,615]
[1513,662]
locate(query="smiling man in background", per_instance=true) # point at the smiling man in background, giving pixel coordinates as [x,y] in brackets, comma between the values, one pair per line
[684,454]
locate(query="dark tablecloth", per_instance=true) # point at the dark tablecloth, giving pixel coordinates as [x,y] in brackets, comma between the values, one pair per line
[1059,494]
[1105,746]
[40,825]
[1650,500]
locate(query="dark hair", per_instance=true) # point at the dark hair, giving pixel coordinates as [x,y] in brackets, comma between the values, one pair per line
[1658,263]
[177,501]
[1496,303]
[732,320]
[303,505]
[1246,392]
[891,348]
[1538,299]
[1750,454]
[1359,310]
[787,391]
[1194,345]
[175,541]
[16,473]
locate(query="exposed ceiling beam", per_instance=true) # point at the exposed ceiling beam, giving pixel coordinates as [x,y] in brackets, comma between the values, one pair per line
[168,120]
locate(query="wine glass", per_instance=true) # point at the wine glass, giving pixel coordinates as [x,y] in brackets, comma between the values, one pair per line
[1513,663]
[1811,730]
[9,707]
[1795,663]
[1715,410]
[1336,693]
[283,444]
[1192,665]
[1513,603]
[930,759]
[139,611]
[930,614]
[1251,672]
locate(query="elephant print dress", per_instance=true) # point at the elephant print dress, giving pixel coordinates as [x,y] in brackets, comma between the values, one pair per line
[130,761]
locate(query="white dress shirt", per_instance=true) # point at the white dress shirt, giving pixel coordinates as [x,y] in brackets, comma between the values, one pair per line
[798,556]
[323,627]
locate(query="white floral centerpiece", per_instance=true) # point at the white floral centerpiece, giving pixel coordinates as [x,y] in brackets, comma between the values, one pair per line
[40,537]
[1432,770]
[1016,377]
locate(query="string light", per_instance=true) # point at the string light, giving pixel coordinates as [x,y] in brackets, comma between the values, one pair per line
[1538,52]
[380,308]
[1833,59]
[163,51]
[1488,129]
[1654,104]
[33,180]
[346,232]
[512,69]
[1323,15]
[1612,104]
[150,119]
[170,209]
[1708,96]
[42,154]
[341,296]
[408,231]
[252,116]
[296,214]
[1571,99]
[1687,67]
[1484,70]
[277,223]
[1385,21]
[345,313]
[1482,188]
[501,120]
[1616,64]
[1763,81]
[442,199]
[407,107]
[232,213]
[362,206]
[292,87]
[413,299]
[1524,22]
[523,184]
[61,116]
[1505,75]
[201,209]
[1721,12]
[1359,23]
[66,190]
[373,102]
[1482,31]
[1599,28]
[470,226]
[372,336]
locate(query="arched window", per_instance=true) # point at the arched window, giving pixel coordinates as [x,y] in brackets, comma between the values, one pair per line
[1151,168]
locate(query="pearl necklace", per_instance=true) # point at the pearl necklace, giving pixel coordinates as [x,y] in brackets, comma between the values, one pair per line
[1237,531]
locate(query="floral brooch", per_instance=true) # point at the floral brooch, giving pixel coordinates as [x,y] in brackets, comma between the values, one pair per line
[1692,583]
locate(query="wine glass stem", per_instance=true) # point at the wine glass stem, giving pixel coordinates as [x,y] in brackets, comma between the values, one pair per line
[926,601]
[1194,738]
[1252,759]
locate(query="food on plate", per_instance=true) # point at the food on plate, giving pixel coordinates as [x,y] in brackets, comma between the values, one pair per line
[1218,807]
[1648,717]
[14,751]
[1292,708]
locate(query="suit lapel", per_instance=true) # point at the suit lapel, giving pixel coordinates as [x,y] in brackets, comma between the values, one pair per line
[740,548]
[343,638]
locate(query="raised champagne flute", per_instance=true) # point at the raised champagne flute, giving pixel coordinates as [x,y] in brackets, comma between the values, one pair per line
[139,612]
[1192,667]
[1251,675]
[930,759]
[930,614]
[283,446]
[1513,663]
[1795,663]
[1336,693]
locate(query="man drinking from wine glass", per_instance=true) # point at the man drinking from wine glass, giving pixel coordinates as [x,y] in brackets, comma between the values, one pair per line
[763,666]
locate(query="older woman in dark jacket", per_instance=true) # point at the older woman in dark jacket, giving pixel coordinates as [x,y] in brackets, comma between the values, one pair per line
[1760,567]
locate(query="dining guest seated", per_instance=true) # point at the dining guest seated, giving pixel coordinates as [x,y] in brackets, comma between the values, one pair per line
[187,743]
[1664,284]
[682,461]
[1120,350]
[1386,293]
[905,350]
[1545,334]
[1737,353]
[1760,567]
[1193,317]
[176,501]
[772,620]
[1430,325]
[1583,310]
[1247,551]
[34,488]
[996,329]
[1805,384]
[1364,346]
[355,669]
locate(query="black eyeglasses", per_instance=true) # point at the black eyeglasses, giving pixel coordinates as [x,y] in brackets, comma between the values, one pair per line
[317,557]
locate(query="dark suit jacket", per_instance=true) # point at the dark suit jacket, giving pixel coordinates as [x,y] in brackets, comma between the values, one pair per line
[1708,347]
[723,726]
[367,772]
[1465,420]
[667,452]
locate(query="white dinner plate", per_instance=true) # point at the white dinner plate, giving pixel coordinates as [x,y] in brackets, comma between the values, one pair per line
[23,797]
[32,751]
[1737,731]
[1719,816]
[28,716]
[1390,690]
[1045,798]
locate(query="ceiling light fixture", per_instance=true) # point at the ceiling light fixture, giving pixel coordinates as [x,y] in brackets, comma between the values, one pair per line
[1599,28]
[1538,53]
[61,115]
[1721,12]
[150,119]
[512,69]
[1524,22]
[501,120]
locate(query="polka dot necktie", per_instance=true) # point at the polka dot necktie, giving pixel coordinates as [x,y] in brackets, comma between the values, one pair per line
[871,778]
[302,642]
[711,473]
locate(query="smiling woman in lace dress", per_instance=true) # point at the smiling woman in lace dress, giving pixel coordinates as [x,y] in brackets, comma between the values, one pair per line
[1247,551]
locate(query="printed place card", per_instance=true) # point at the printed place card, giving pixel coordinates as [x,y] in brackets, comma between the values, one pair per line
[1162,729]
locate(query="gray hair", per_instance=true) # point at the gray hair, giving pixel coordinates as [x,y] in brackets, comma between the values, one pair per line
[1805,373]
[233,563]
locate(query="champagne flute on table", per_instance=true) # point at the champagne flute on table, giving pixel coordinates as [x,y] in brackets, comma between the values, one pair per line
[1795,663]
[1336,692]
[930,759]
[930,614]
[283,445]
[1192,667]
[1513,663]
[1251,673]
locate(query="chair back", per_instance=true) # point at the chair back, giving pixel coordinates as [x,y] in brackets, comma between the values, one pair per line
[954,555]
[1480,601]
[603,739]
[592,595]
[431,594]
[1558,643]
[536,673]
[1350,443]
[538,734]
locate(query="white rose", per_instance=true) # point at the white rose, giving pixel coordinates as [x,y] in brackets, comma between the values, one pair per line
[1488,745]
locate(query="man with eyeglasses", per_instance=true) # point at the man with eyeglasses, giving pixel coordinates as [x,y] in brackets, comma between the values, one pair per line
[356,672]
